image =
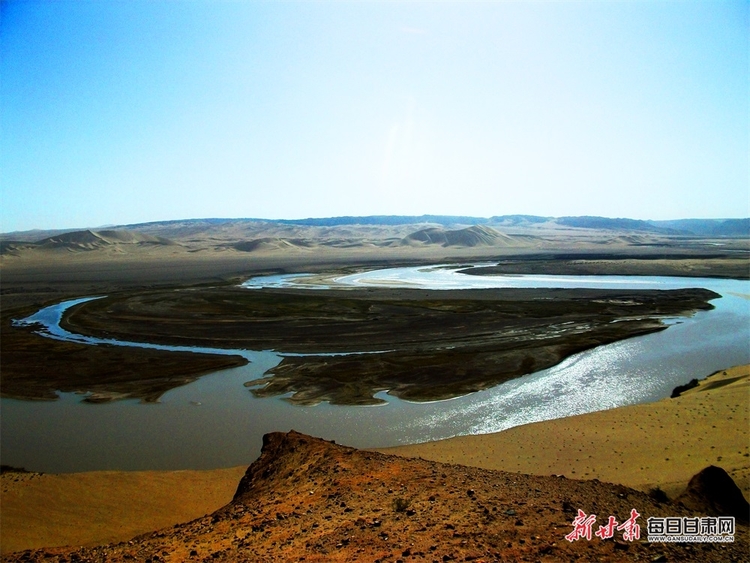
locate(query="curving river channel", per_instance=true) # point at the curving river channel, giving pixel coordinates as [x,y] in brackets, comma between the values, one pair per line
[216,422]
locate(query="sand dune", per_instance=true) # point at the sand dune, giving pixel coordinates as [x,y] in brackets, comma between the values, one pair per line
[478,235]
[104,506]
[86,240]
[90,240]
[271,243]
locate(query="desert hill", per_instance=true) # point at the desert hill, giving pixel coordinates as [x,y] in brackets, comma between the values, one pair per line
[395,237]
[312,500]
[270,243]
[477,235]
[354,236]
[86,240]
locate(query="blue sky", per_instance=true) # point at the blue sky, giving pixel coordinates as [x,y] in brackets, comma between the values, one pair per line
[125,112]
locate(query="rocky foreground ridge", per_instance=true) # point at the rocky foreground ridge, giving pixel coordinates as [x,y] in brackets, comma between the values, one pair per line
[306,499]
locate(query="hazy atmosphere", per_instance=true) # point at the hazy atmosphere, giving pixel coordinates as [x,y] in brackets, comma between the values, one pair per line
[125,112]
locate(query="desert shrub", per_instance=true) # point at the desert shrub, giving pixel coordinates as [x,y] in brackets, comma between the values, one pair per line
[677,391]
[400,504]
[11,469]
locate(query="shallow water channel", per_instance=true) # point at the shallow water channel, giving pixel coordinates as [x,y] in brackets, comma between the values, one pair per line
[216,421]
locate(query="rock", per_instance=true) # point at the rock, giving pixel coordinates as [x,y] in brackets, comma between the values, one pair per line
[621,545]
[714,492]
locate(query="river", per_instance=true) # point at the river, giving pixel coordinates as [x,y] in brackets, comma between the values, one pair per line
[216,422]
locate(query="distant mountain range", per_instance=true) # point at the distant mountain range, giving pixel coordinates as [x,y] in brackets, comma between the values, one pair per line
[713,227]
[159,232]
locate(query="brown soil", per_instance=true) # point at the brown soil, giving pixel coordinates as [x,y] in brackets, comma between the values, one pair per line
[307,499]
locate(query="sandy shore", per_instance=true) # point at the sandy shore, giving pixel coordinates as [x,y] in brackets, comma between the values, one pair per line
[642,446]
[40,510]
[659,444]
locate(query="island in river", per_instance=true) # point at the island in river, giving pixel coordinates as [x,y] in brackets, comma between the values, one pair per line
[418,345]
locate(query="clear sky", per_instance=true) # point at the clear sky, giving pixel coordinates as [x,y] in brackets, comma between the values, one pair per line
[118,112]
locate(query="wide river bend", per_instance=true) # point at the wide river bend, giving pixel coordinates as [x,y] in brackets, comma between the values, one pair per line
[216,422]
